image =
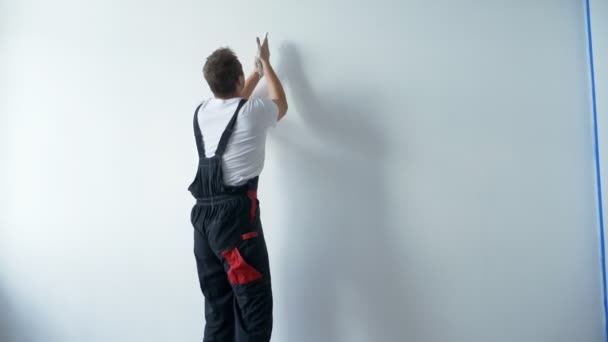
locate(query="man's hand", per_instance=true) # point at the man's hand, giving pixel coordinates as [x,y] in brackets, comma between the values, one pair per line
[262,56]
[263,49]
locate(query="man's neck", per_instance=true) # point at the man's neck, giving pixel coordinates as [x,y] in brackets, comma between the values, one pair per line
[236,96]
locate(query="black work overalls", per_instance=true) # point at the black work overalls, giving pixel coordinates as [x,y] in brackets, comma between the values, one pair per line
[230,251]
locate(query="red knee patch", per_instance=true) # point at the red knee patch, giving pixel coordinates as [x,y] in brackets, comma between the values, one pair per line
[240,272]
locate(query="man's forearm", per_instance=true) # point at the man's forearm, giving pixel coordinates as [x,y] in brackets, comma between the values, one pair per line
[275,89]
[250,83]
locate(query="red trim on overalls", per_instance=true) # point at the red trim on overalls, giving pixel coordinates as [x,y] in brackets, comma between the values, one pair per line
[253,196]
[248,236]
[240,272]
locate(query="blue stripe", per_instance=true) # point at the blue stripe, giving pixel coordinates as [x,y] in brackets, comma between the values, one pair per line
[598,174]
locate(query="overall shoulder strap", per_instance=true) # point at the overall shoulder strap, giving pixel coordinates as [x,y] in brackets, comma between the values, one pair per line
[221,147]
[198,136]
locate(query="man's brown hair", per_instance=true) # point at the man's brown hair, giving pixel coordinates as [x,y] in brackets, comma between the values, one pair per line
[222,72]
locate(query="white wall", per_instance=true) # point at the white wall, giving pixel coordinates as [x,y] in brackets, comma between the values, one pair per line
[433,181]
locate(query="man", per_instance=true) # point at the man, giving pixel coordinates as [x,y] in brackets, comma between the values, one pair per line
[229,247]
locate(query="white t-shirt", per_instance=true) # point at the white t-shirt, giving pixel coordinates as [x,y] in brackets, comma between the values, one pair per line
[244,155]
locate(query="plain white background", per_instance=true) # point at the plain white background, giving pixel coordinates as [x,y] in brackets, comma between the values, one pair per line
[433,181]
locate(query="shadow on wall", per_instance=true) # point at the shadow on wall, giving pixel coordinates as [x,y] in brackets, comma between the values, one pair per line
[12,327]
[339,281]
[21,319]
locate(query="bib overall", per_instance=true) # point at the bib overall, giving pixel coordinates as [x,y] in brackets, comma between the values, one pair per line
[230,250]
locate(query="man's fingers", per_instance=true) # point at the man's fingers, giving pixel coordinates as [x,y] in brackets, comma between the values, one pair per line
[257,39]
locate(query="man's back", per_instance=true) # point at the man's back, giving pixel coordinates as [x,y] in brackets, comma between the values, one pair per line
[244,156]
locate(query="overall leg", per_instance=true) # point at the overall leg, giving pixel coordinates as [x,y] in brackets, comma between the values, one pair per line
[219,314]
[249,274]
[253,300]
[238,240]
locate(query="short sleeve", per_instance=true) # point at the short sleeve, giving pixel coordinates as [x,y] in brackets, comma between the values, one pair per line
[264,110]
